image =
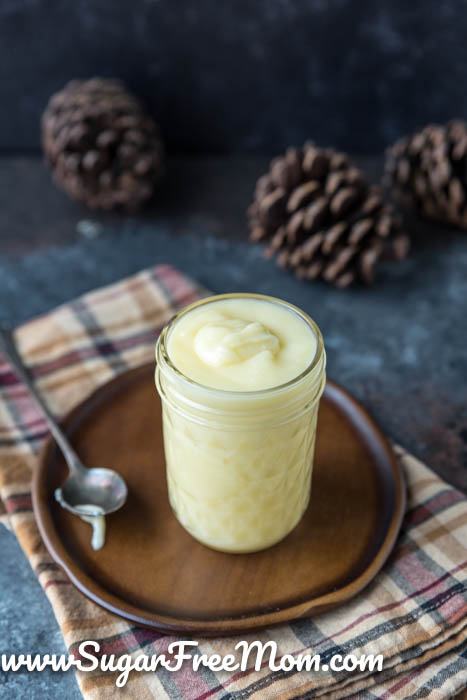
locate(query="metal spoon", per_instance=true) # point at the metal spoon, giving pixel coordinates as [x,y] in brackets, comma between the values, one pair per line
[102,488]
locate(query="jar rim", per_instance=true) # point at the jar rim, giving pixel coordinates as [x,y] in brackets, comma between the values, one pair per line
[163,357]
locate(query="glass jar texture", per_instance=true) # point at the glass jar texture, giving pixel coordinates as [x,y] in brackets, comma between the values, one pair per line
[239,463]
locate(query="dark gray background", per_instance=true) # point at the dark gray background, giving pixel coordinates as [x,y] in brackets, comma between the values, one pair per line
[245,75]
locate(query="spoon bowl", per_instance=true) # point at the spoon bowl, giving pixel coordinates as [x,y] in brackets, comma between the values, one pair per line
[98,487]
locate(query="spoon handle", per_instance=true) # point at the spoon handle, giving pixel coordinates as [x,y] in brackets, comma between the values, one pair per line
[9,350]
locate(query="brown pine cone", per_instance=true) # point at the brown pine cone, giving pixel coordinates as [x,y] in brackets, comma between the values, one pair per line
[322,219]
[103,147]
[428,172]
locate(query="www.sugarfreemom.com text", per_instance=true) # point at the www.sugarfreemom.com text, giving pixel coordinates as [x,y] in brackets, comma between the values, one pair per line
[88,659]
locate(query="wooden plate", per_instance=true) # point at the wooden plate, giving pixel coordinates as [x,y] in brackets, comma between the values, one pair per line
[154,574]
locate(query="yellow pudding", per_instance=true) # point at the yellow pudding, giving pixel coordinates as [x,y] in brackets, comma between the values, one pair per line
[240,377]
[94,515]
[241,344]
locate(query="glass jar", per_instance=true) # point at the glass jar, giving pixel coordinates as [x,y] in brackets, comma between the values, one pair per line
[239,463]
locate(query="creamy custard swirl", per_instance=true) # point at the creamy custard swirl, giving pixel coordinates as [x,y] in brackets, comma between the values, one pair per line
[241,345]
[233,340]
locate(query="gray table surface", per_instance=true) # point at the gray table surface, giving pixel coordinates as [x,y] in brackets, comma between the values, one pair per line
[399,347]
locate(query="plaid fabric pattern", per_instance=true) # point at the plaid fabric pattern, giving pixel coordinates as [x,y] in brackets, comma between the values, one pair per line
[414,612]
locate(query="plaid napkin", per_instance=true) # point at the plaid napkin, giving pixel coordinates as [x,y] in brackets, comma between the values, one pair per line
[414,612]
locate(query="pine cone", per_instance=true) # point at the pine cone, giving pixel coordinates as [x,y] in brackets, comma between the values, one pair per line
[322,219]
[103,148]
[428,172]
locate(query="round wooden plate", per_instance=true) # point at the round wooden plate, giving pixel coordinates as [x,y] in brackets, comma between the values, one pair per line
[153,573]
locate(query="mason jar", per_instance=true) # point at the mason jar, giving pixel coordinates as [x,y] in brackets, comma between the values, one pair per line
[239,463]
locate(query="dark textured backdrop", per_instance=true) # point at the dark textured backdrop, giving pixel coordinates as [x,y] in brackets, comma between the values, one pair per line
[244,75]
